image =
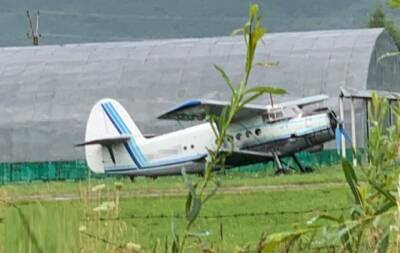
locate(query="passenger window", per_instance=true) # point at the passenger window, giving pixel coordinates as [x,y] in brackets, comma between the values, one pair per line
[238,136]
[248,133]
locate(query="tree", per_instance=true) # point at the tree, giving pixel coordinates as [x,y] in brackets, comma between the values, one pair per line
[394,3]
[378,19]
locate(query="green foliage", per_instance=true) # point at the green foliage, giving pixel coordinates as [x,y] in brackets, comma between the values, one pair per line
[394,31]
[394,3]
[241,94]
[378,19]
[352,182]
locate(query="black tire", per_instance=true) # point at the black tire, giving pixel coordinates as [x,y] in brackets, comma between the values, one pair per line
[309,169]
[282,171]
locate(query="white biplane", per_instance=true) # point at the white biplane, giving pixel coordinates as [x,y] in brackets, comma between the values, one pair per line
[115,145]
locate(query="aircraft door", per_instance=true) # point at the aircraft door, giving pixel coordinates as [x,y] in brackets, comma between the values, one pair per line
[308,122]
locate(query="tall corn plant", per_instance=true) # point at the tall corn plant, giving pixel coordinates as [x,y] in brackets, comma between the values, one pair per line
[241,94]
[368,227]
[3,206]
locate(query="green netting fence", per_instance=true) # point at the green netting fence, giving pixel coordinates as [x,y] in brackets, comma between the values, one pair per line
[78,170]
[43,171]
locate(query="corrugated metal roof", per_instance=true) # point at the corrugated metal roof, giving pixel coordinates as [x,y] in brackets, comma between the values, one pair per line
[367,94]
[48,91]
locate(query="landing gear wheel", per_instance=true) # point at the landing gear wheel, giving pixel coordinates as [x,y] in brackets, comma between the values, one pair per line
[282,171]
[309,169]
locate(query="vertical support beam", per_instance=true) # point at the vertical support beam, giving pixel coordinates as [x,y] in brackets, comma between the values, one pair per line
[367,104]
[353,130]
[341,110]
[390,113]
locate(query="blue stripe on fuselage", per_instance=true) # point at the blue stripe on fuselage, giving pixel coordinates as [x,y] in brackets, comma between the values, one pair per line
[132,143]
[166,163]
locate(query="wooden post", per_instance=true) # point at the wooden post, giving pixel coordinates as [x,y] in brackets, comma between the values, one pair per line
[367,104]
[353,130]
[390,113]
[366,140]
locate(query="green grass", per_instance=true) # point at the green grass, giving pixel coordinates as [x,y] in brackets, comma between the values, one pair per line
[54,226]
[237,230]
[331,174]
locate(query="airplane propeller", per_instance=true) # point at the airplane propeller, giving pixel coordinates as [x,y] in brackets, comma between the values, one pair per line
[340,130]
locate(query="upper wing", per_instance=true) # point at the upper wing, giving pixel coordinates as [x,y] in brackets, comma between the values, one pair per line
[198,109]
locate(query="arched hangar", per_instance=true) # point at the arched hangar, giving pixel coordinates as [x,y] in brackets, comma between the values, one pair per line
[47,91]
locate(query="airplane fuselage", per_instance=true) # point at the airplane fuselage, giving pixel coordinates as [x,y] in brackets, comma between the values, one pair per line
[167,154]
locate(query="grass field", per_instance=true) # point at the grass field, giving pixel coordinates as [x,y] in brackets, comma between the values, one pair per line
[331,174]
[232,218]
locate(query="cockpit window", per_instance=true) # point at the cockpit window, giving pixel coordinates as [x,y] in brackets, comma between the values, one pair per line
[273,115]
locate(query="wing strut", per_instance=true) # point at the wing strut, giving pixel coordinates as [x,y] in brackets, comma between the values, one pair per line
[109,148]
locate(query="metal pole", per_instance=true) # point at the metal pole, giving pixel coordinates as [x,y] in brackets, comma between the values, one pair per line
[353,130]
[341,110]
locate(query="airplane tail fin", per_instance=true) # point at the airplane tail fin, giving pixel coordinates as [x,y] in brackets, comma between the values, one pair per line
[110,126]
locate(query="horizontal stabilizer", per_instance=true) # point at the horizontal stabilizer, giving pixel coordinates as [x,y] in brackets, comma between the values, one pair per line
[106,141]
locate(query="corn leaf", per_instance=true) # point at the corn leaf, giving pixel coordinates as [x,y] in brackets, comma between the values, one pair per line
[226,78]
[266,89]
[394,3]
[323,217]
[383,243]
[384,192]
[275,240]
[193,202]
[351,179]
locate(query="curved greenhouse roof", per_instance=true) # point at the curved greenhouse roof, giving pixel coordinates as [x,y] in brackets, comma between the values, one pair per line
[48,91]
